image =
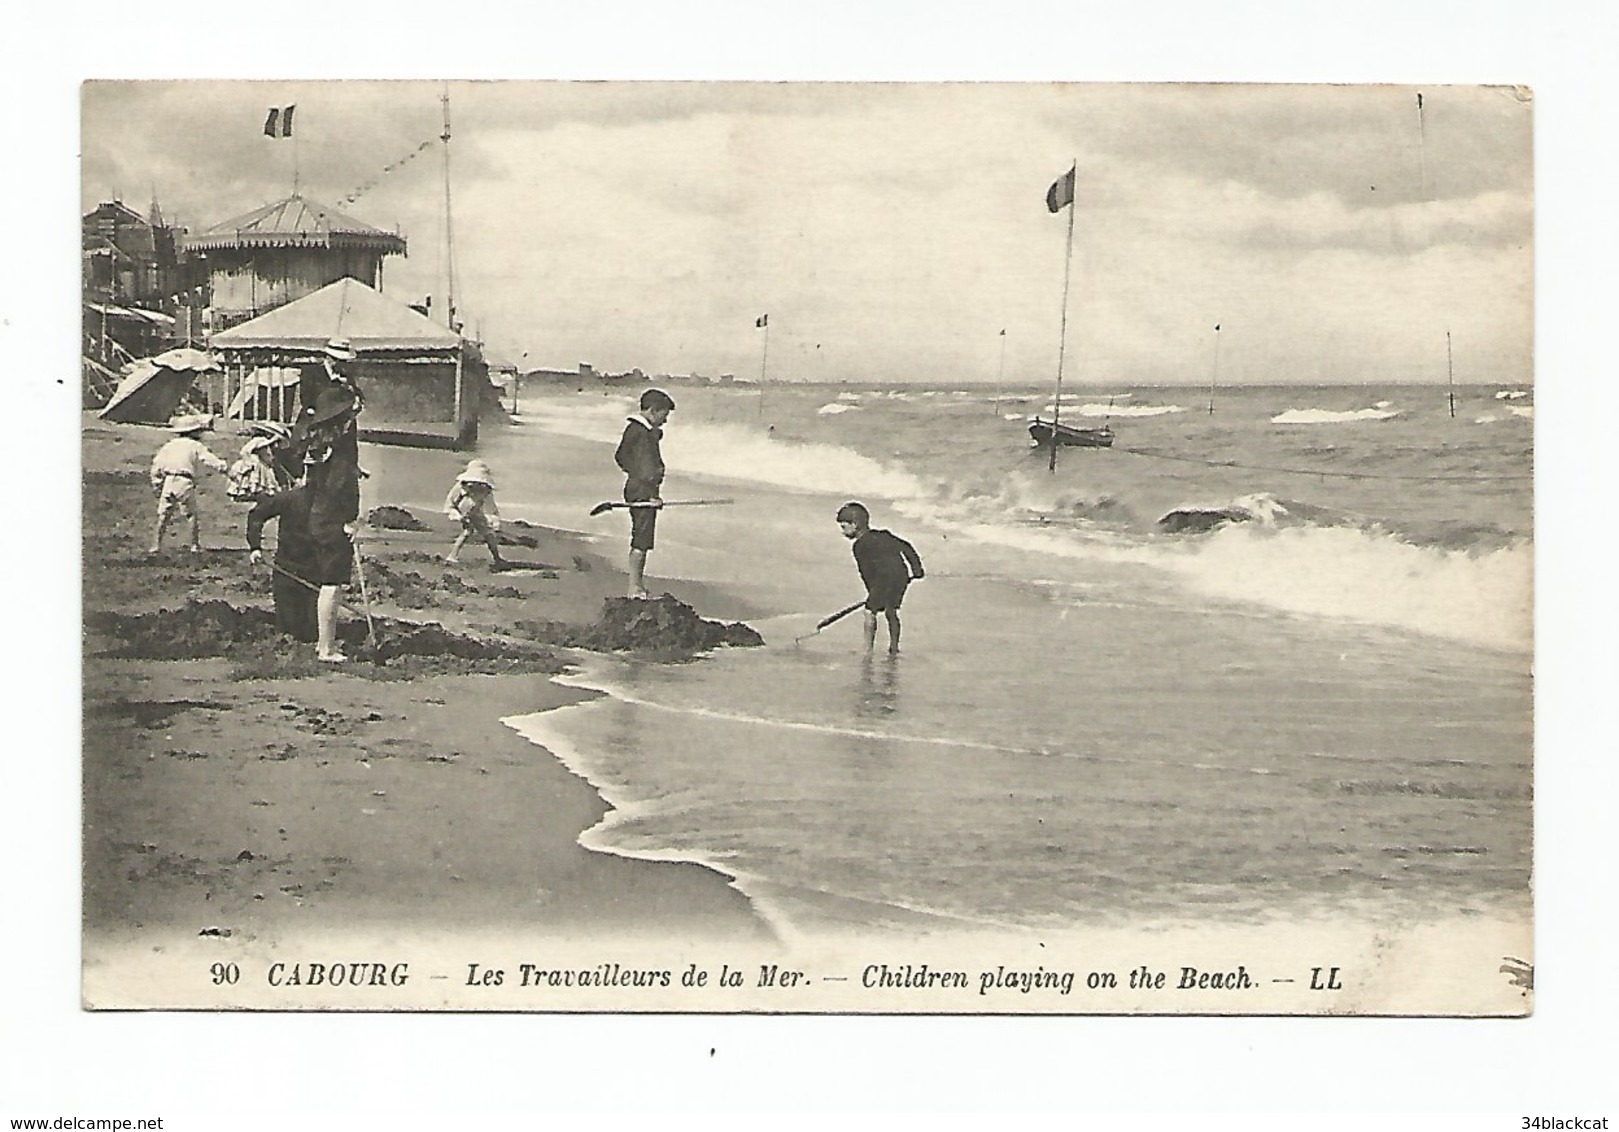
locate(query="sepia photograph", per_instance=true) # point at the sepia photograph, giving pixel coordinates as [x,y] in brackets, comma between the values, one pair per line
[766,561]
[808,547]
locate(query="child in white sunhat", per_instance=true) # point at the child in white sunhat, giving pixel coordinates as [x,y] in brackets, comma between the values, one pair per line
[174,476]
[254,476]
[472,501]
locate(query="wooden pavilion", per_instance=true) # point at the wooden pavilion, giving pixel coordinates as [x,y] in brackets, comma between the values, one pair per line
[413,372]
[283,251]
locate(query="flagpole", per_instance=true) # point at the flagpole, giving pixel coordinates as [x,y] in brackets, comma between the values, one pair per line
[449,234]
[1215,376]
[1422,148]
[764,361]
[1062,342]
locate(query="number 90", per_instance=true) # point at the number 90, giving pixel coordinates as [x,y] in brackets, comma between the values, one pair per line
[225,973]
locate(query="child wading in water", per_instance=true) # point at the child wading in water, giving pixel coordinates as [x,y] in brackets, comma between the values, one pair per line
[472,500]
[888,564]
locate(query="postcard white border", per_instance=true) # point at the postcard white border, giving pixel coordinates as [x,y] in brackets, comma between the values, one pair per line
[124,1063]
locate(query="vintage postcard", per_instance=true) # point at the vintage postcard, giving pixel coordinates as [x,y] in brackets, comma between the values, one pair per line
[705,547]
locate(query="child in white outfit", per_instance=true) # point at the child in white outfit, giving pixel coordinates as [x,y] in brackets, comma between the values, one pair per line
[174,476]
[472,501]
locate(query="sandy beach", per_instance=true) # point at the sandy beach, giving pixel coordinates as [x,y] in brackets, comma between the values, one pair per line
[236,786]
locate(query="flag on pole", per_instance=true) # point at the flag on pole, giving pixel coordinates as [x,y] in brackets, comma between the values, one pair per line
[762,320]
[1061,191]
[279,122]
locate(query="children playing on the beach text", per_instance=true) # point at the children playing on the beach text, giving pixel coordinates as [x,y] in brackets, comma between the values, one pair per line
[174,476]
[472,501]
[887,563]
[641,459]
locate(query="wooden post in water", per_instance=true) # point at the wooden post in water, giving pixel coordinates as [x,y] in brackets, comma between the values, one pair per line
[1450,376]
[1000,379]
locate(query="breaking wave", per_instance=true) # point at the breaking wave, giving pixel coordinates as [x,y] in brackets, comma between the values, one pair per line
[1332,416]
[1093,409]
[740,452]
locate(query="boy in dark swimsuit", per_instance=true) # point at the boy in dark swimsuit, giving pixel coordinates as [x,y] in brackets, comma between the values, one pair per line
[887,563]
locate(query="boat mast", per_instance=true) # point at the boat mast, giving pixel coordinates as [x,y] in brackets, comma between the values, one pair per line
[1062,342]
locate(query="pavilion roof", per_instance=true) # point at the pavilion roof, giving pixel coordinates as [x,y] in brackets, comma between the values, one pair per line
[348,309]
[295,223]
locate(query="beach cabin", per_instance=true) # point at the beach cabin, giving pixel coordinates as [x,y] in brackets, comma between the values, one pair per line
[418,385]
[284,251]
[132,260]
[139,292]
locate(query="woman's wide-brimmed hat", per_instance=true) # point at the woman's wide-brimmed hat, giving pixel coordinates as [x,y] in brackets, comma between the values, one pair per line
[258,444]
[194,422]
[477,472]
[341,349]
[332,403]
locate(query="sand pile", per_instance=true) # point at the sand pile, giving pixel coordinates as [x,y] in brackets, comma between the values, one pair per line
[199,628]
[388,517]
[218,629]
[511,534]
[391,518]
[662,627]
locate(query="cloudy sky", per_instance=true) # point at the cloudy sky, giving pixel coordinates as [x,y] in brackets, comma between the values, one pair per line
[893,230]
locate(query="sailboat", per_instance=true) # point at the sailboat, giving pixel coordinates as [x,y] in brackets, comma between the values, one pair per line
[1053,434]
[1067,436]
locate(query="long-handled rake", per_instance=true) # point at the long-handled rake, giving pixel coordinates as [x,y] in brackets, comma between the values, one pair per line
[610,505]
[825,621]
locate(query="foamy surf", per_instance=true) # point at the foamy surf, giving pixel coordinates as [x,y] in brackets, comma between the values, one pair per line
[1332,416]
[1280,562]
[1095,409]
[1478,597]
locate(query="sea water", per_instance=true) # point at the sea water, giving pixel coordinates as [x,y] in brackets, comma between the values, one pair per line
[1323,710]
